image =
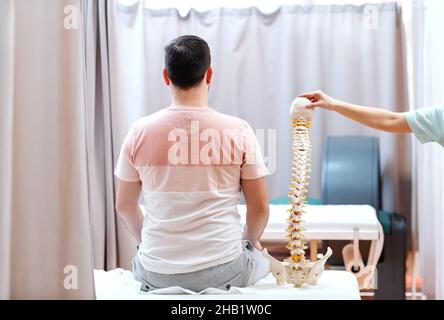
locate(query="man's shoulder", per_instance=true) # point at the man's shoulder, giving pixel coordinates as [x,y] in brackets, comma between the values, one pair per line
[158,119]
[144,121]
[233,120]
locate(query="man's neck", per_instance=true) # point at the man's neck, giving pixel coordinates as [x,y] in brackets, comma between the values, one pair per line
[194,97]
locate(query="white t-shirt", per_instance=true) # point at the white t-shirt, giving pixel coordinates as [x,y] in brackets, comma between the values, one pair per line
[190,161]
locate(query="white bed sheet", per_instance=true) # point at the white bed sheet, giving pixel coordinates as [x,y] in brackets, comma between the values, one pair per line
[119,284]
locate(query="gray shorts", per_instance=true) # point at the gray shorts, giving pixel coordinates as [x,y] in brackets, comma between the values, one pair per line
[244,271]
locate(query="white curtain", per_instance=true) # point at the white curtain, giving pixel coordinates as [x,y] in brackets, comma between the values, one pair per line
[428,193]
[262,61]
[45,245]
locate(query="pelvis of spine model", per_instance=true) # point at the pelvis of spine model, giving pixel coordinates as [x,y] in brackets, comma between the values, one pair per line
[296,269]
[308,272]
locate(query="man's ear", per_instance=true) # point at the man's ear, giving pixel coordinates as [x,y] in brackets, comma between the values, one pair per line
[209,75]
[165,77]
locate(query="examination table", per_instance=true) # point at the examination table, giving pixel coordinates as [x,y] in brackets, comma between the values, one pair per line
[119,284]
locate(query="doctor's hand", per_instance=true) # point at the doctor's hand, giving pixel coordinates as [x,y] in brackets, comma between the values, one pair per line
[319,99]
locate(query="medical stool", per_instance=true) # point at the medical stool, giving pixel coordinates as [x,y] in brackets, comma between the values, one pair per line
[351,175]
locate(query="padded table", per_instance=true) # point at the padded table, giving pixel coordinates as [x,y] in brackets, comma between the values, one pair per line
[119,284]
[324,222]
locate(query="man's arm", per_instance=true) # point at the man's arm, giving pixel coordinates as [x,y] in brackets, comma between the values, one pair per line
[127,206]
[375,118]
[256,199]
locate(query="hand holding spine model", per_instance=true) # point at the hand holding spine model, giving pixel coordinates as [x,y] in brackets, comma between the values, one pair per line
[296,269]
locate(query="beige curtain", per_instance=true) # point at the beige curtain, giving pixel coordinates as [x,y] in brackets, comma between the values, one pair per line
[45,240]
[106,125]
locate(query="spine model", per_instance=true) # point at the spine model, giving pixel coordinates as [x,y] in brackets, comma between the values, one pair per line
[298,265]
[296,269]
[298,189]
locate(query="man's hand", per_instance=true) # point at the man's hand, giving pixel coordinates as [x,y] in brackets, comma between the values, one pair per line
[319,99]
[256,199]
[257,245]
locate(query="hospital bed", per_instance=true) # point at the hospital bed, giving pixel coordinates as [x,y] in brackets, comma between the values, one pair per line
[119,284]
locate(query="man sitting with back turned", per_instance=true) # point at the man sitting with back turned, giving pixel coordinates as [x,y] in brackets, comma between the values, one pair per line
[191,163]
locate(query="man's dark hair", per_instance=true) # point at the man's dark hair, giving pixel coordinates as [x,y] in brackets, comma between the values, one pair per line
[187,59]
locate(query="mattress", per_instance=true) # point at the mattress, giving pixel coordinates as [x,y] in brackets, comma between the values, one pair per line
[119,284]
[324,222]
